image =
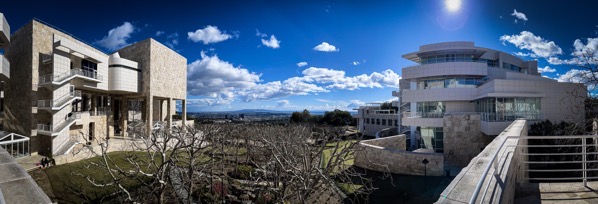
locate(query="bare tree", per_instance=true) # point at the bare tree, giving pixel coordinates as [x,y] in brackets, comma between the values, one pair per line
[298,164]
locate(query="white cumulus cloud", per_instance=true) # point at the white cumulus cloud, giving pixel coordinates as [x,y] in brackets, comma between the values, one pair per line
[302,64]
[355,63]
[325,47]
[546,69]
[519,15]
[117,37]
[220,82]
[528,41]
[207,35]
[159,33]
[272,42]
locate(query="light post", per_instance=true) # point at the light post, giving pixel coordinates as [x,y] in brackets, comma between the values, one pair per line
[425,162]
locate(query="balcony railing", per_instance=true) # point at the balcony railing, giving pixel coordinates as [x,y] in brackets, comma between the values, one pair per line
[48,128]
[423,114]
[49,78]
[59,101]
[101,111]
[505,117]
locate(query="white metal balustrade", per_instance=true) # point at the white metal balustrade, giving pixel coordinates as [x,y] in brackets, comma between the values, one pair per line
[49,129]
[64,77]
[59,102]
[560,158]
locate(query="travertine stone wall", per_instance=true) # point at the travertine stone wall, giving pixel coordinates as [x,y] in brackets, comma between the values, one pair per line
[463,139]
[512,171]
[388,155]
[168,72]
[164,72]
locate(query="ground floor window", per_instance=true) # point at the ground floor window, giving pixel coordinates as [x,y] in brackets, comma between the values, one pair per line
[16,145]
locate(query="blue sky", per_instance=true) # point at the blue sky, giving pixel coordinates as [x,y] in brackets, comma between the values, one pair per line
[247,54]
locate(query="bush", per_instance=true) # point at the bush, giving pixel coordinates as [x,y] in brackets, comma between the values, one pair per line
[243,172]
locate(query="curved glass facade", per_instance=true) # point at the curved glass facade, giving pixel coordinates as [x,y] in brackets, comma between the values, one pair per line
[450,82]
[456,58]
[508,109]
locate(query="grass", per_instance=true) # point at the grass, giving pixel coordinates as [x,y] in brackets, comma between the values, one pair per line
[63,186]
[349,188]
[70,188]
[347,160]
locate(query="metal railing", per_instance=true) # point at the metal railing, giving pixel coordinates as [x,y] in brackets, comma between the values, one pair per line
[59,101]
[505,117]
[61,123]
[49,78]
[567,154]
[423,114]
[101,111]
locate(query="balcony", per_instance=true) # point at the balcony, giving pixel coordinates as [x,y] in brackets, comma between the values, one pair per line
[47,129]
[59,103]
[51,79]
[101,111]
[4,32]
[4,67]
[446,69]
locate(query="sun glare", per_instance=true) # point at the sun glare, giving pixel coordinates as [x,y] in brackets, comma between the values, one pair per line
[452,5]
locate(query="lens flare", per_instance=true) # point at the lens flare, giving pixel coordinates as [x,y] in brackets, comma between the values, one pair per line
[452,5]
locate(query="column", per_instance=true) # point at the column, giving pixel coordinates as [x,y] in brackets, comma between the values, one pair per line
[184,112]
[149,120]
[124,116]
[168,113]
[160,110]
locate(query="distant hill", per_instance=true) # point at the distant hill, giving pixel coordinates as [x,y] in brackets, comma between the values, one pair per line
[252,111]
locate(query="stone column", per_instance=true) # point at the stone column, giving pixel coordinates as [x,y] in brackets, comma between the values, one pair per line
[124,116]
[160,110]
[184,114]
[149,107]
[168,113]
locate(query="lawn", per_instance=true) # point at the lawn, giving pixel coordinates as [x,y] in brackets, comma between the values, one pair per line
[66,187]
[330,147]
[63,185]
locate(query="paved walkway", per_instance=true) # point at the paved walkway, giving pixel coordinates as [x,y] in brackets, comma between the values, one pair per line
[557,193]
[30,162]
[80,152]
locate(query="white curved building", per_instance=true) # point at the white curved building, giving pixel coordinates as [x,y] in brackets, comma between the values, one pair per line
[483,90]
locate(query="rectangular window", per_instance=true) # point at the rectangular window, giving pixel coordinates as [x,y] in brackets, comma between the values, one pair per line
[377,121]
[384,122]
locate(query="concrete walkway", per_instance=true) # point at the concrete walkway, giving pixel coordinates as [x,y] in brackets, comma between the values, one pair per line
[30,162]
[557,193]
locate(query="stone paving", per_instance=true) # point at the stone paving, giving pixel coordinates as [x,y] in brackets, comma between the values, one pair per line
[557,193]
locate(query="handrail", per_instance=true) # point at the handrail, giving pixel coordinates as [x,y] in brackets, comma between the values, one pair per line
[59,101]
[50,128]
[49,78]
[493,161]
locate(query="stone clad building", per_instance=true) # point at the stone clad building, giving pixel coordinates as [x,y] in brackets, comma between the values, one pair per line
[372,118]
[65,91]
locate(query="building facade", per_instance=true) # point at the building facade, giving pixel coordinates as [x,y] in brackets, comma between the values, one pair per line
[65,91]
[458,91]
[373,118]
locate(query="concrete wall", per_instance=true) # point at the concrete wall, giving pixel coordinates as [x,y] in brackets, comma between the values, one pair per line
[461,189]
[459,130]
[18,91]
[388,155]
[16,184]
